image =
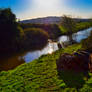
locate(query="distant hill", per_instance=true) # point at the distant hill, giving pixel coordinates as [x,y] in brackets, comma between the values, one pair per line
[49,20]
[45,20]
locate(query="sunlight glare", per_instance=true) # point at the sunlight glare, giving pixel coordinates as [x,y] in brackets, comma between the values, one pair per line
[47,5]
[50,51]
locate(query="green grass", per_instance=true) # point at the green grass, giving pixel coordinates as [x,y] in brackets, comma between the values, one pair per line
[41,75]
[63,30]
[79,26]
[83,25]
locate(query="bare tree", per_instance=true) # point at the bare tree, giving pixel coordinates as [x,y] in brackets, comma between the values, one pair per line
[69,25]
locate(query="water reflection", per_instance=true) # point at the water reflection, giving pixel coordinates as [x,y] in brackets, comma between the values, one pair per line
[51,47]
[12,62]
[76,36]
[81,35]
[63,38]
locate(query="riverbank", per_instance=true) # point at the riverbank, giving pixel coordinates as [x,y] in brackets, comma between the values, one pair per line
[41,75]
[79,27]
[10,62]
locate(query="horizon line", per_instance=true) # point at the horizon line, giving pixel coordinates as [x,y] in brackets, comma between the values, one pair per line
[53,16]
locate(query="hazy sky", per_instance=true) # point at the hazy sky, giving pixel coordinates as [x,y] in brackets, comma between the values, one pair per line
[26,9]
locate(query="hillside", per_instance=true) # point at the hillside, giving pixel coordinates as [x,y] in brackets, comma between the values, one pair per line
[41,75]
[45,20]
[49,20]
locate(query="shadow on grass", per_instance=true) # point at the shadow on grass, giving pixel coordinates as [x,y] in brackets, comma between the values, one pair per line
[73,79]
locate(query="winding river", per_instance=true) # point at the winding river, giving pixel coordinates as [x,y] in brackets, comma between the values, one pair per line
[51,47]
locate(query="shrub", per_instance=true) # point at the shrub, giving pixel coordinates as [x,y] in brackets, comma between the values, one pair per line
[87,43]
[35,38]
[53,30]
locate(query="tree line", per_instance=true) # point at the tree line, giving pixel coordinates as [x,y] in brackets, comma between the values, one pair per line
[13,38]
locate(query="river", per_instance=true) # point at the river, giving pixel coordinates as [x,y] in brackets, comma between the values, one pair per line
[51,47]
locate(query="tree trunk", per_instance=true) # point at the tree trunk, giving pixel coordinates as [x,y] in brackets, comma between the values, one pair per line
[71,39]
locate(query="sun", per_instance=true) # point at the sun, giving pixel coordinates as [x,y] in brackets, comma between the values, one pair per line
[47,4]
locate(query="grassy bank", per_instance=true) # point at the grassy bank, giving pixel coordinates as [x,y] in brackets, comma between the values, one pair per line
[79,26]
[41,75]
[83,25]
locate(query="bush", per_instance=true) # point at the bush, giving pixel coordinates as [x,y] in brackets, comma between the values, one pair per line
[53,30]
[87,43]
[35,38]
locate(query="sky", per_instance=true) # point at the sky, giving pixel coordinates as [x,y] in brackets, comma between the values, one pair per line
[28,9]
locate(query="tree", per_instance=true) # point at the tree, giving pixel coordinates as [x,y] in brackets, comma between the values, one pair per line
[70,26]
[9,31]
